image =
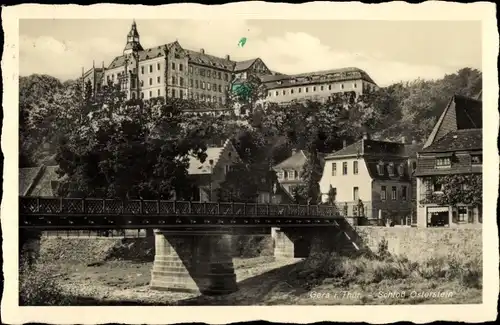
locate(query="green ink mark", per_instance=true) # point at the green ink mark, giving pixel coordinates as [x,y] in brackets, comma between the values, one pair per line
[242,42]
[243,91]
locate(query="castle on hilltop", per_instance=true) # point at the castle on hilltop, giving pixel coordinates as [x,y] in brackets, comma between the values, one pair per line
[169,70]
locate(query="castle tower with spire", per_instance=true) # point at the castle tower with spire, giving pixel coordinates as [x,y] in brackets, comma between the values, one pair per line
[133,41]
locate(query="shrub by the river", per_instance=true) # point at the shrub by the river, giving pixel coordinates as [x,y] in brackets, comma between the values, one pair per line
[38,287]
[466,270]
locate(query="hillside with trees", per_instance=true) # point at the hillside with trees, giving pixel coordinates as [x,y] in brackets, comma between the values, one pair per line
[108,146]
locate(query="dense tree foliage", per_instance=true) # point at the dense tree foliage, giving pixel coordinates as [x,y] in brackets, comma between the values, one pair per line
[108,146]
[131,149]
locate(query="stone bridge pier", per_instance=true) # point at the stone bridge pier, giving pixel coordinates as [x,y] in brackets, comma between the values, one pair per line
[301,242]
[197,261]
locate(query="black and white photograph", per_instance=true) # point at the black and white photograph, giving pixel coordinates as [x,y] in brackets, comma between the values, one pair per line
[240,161]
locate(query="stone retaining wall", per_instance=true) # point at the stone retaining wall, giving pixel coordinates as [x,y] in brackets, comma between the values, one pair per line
[423,243]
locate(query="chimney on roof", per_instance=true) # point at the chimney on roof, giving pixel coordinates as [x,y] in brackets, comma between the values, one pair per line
[202,51]
[366,136]
[294,151]
[344,144]
[403,140]
[228,57]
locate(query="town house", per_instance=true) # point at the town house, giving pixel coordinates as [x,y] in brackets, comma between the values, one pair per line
[371,179]
[208,175]
[449,168]
[289,171]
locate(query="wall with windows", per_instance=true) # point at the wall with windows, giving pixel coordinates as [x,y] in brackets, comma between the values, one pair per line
[113,75]
[344,180]
[393,198]
[434,215]
[208,84]
[290,178]
[152,78]
[313,92]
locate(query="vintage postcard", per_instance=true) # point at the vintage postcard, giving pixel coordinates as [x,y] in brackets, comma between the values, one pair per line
[250,161]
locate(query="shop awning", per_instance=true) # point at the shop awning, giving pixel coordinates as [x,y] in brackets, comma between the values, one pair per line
[438,209]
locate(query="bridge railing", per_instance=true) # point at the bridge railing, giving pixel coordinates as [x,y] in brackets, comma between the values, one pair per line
[92,206]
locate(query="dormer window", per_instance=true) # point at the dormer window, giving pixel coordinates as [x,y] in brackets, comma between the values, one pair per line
[401,170]
[380,168]
[443,162]
[476,159]
[391,169]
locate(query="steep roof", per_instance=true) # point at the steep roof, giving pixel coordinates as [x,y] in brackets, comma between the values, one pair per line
[469,139]
[480,95]
[45,185]
[209,60]
[38,181]
[27,177]
[297,160]
[350,150]
[469,112]
[196,167]
[146,54]
[244,65]
[460,113]
[373,170]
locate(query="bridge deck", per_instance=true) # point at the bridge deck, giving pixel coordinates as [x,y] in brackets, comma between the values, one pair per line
[78,213]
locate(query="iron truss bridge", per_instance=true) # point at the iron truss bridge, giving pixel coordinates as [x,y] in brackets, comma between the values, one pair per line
[88,213]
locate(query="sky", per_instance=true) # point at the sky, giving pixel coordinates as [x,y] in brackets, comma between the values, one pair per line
[389,51]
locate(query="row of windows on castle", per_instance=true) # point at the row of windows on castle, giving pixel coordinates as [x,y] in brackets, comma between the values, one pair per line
[174,81]
[197,71]
[306,89]
[174,93]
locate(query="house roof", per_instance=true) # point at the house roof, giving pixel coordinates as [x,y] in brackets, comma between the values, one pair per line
[210,60]
[468,115]
[196,57]
[411,149]
[196,167]
[469,112]
[44,186]
[480,95]
[469,139]
[376,147]
[27,177]
[296,160]
[373,170]
[244,65]
[146,54]
[38,181]
[342,74]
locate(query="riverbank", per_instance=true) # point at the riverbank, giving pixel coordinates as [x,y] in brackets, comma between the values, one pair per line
[262,281]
